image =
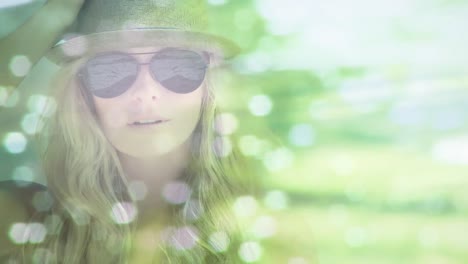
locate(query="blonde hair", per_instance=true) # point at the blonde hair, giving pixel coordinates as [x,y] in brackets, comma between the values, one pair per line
[86,180]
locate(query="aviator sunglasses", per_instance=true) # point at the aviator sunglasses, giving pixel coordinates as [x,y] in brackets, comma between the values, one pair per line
[110,74]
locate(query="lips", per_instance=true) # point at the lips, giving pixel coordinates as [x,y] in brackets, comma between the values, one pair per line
[147,120]
[147,123]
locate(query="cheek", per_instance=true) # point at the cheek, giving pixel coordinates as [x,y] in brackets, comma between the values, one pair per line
[189,104]
[109,113]
[190,109]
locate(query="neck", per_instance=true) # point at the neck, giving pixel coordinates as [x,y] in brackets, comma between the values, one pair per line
[155,173]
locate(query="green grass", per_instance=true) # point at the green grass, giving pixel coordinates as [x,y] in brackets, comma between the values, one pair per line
[355,203]
[340,234]
[377,173]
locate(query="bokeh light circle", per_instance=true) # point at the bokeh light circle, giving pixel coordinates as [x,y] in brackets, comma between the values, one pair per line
[245,206]
[264,227]
[176,192]
[20,65]
[123,212]
[250,145]
[276,200]
[226,123]
[278,159]
[18,233]
[250,251]
[219,241]
[12,99]
[23,173]
[15,142]
[302,135]
[184,238]
[260,105]
[32,123]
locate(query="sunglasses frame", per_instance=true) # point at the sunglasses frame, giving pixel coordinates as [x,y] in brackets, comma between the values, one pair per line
[81,75]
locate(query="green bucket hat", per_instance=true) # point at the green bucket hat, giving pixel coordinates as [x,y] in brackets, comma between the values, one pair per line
[103,25]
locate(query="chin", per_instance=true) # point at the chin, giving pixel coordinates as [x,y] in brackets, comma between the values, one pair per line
[154,148]
[146,152]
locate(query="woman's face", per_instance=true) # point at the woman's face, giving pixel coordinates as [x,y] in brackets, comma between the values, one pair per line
[144,101]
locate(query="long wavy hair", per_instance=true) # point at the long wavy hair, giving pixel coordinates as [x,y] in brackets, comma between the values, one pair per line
[86,180]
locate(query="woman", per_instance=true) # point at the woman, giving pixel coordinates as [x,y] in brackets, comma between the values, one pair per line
[135,169]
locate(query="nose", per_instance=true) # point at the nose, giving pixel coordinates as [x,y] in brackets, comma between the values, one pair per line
[145,90]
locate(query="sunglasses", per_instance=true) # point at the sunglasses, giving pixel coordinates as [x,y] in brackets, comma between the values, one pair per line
[110,74]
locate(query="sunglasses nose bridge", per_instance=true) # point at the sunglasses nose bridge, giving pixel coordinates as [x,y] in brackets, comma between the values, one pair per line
[145,87]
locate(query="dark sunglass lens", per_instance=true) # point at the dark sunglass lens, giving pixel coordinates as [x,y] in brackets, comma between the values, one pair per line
[181,71]
[110,75]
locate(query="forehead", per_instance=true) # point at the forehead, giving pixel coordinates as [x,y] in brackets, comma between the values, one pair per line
[145,53]
[153,49]
[142,53]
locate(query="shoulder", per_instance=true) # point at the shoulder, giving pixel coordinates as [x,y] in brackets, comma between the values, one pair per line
[20,202]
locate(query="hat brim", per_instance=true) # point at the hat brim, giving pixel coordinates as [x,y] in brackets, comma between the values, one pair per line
[87,45]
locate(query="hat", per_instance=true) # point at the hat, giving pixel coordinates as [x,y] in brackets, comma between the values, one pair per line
[103,25]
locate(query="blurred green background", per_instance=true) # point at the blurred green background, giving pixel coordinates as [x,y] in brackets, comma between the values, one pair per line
[356,113]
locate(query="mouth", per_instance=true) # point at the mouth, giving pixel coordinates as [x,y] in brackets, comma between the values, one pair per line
[147,122]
